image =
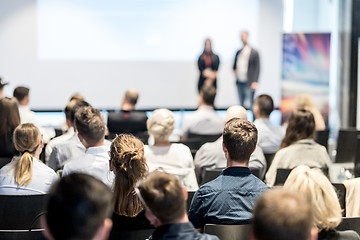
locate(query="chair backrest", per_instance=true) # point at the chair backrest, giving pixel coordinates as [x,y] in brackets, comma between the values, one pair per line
[268,157]
[210,174]
[204,138]
[19,211]
[346,145]
[352,223]
[341,192]
[281,176]
[189,199]
[322,137]
[22,234]
[132,235]
[4,161]
[228,232]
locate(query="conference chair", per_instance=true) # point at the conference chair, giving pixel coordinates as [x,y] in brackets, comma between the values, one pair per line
[36,234]
[352,223]
[322,137]
[228,232]
[204,138]
[18,212]
[341,192]
[189,199]
[346,145]
[269,158]
[283,173]
[131,235]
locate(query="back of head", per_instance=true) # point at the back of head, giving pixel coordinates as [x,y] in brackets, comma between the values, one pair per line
[304,101]
[282,215]
[320,192]
[264,105]
[208,94]
[27,139]
[9,116]
[77,207]
[240,138]
[131,96]
[77,106]
[90,124]
[20,93]
[71,104]
[236,111]
[162,194]
[129,166]
[301,126]
[77,96]
[161,123]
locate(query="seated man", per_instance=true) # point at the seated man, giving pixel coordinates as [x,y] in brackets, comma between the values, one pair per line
[68,149]
[91,132]
[127,120]
[211,155]
[79,207]
[270,136]
[229,199]
[204,120]
[283,215]
[165,201]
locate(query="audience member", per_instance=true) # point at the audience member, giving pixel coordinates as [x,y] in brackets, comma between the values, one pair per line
[326,207]
[9,120]
[26,115]
[91,132]
[127,120]
[211,155]
[204,120]
[299,147]
[174,158]
[270,136]
[79,207]
[68,149]
[283,215]
[2,85]
[229,199]
[77,97]
[165,202]
[26,175]
[128,163]
[304,101]
[64,137]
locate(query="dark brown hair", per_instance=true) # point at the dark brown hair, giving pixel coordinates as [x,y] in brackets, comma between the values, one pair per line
[9,117]
[208,94]
[21,92]
[127,157]
[301,126]
[265,104]
[163,195]
[240,138]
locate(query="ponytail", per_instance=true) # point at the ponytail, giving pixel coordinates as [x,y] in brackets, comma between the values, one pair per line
[23,171]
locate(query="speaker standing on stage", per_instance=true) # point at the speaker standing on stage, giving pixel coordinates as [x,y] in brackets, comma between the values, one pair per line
[208,64]
[246,70]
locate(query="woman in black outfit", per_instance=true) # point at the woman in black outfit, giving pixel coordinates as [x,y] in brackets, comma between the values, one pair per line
[9,120]
[208,64]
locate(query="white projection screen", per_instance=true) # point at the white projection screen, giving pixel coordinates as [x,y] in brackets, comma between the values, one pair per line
[102,48]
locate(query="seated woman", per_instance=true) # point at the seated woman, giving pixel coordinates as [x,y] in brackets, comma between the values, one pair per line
[127,161]
[299,147]
[326,207]
[9,120]
[173,158]
[26,175]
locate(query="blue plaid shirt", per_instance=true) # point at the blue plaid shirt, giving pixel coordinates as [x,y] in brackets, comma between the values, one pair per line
[228,199]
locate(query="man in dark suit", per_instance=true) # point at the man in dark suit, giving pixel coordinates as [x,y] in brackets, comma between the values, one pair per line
[246,69]
[127,120]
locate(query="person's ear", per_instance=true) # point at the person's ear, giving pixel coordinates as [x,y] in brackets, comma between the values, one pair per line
[224,148]
[45,226]
[314,232]
[104,230]
[41,143]
[106,130]
[186,195]
[251,234]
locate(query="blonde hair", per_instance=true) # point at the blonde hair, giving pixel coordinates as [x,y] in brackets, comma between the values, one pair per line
[320,192]
[27,139]
[161,123]
[127,157]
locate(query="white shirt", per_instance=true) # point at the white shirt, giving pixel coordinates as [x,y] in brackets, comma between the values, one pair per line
[243,63]
[269,135]
[95,162]
[175,159]
[205,120]
[43,177]
[49,147]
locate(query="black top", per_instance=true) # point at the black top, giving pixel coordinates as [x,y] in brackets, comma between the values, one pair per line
[127,122]
[183,231]
[7,148]
[338,235]
[123,223]
[215,62]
